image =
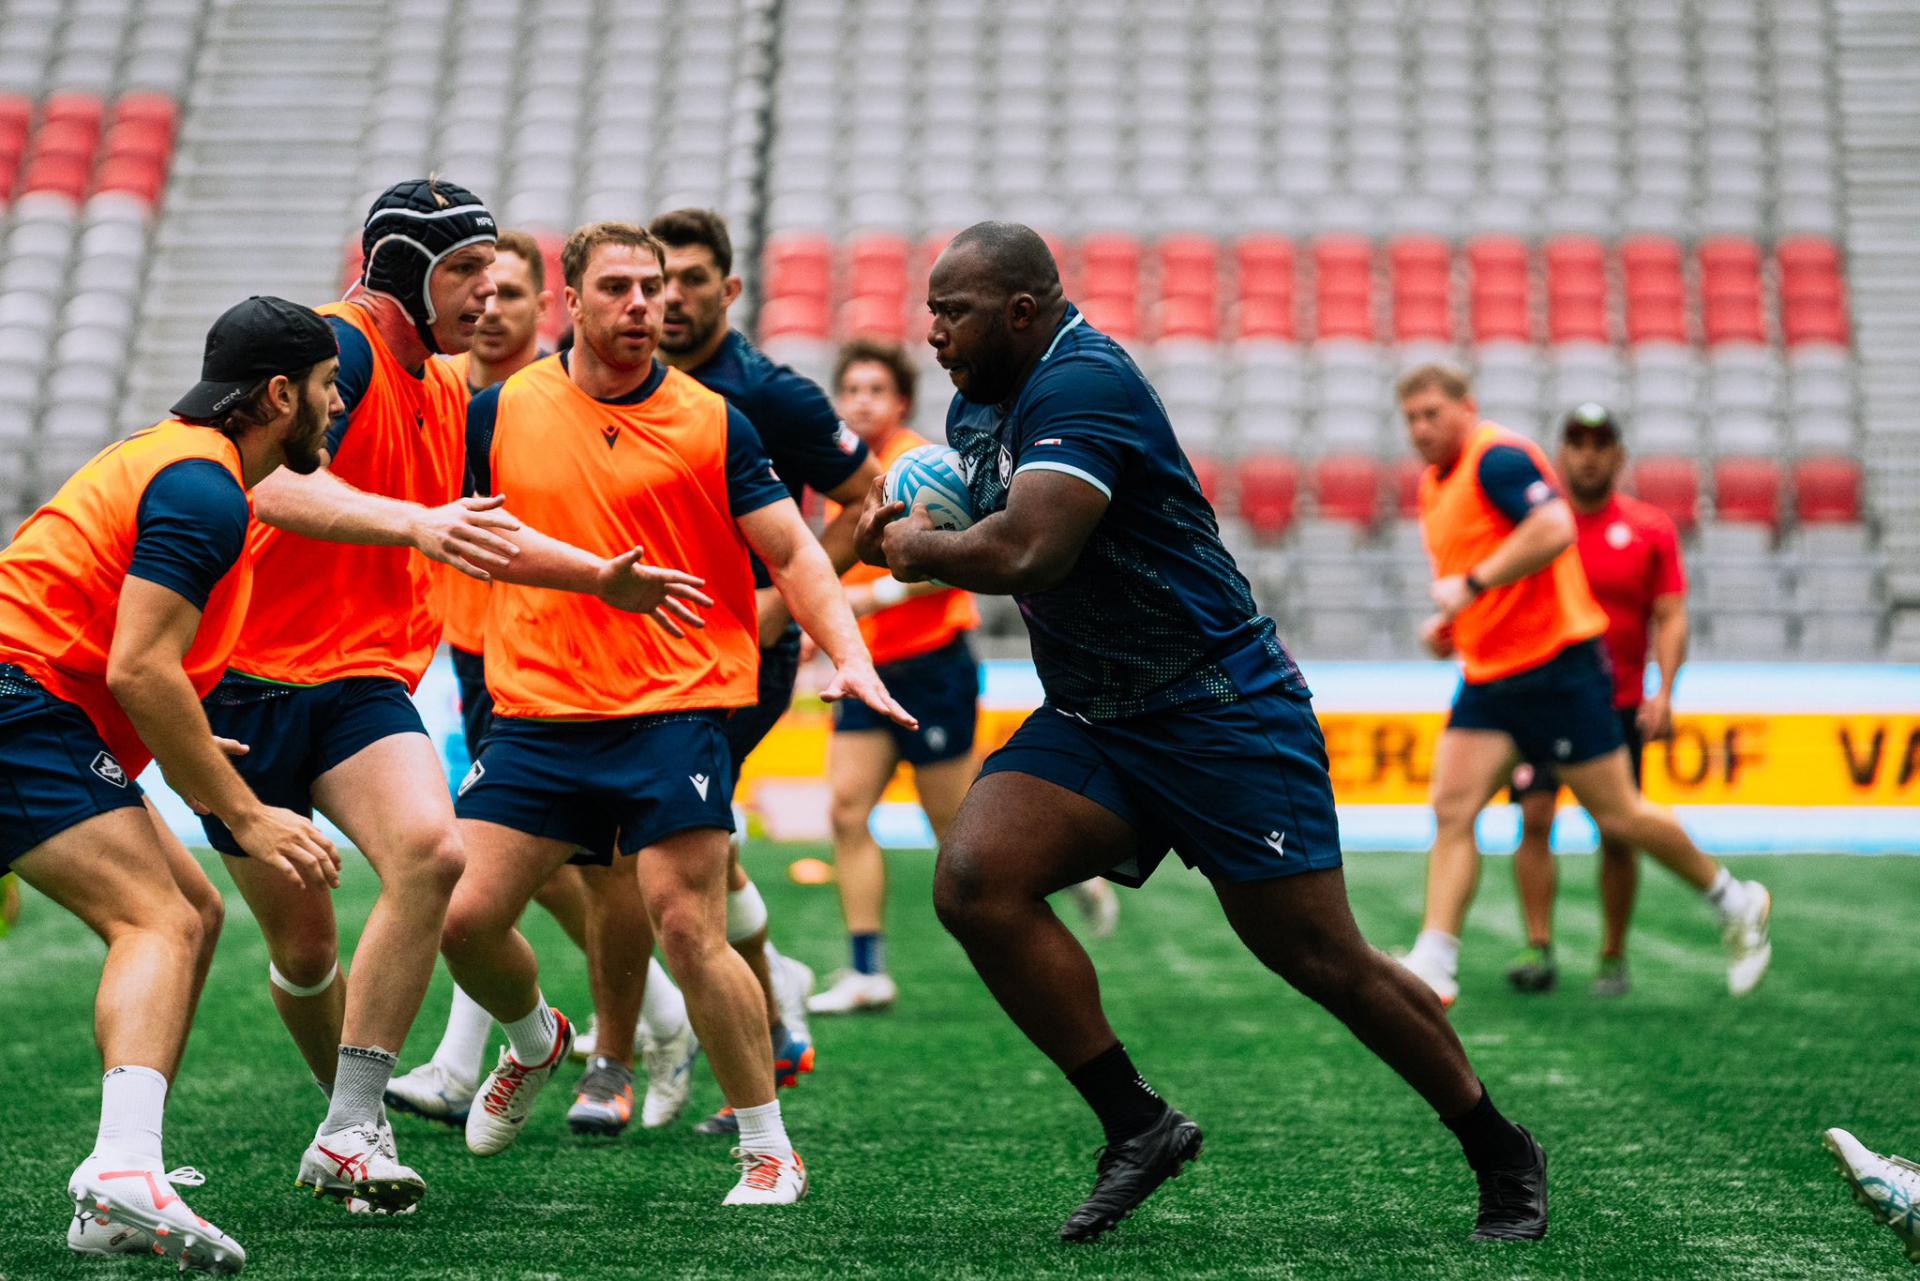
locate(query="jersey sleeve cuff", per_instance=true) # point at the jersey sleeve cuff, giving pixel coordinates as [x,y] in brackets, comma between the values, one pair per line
[1079,473]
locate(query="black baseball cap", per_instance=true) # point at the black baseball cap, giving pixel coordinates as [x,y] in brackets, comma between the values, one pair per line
[250,343]
[1591,419]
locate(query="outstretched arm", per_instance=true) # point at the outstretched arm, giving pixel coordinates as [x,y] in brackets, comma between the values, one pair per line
[468,534]
[1030,546]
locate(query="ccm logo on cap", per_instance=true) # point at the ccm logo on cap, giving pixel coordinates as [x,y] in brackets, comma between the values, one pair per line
[228,399]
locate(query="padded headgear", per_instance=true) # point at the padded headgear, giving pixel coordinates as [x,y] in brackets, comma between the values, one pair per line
[409,230]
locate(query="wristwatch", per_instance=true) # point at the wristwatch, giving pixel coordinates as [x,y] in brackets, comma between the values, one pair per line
[1474,585]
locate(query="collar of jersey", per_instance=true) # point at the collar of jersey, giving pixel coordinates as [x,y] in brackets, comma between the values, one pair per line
[1072,320]
[635,397]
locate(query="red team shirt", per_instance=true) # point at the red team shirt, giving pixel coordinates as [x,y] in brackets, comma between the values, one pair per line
[1631,553]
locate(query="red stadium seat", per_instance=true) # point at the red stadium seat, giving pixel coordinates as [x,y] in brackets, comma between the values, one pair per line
[1672,485]
[1183,316]
[1813,298]
[1343,287]
[1265,318]
[1344,315]
[142,176]
[1727,258]
[1110,266]
[1347,489]
[1116,315]
[1499,291]
[59,172]
[799,266]
[1422,275]
[877,267]
[1265,267]
[1827,491]
[793,316]
[1747,490]
[1733,313]
[1269,491]
[1576,290]
[873,316]
[1571,258]
[1189,268]
[1406,487]
[84,109]
[1656,291]
[156,107]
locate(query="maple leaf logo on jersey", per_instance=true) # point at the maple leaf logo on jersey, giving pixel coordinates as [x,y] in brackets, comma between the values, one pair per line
[611,432]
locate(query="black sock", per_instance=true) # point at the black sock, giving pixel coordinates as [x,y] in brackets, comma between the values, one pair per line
[1489,1139]
[1117,1093]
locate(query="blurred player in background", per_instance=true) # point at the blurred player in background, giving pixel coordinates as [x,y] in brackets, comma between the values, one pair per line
[610,729]
[442,1089]
[120,600]
[810,450]
[1173,717]
[1630,552]
[1514,604]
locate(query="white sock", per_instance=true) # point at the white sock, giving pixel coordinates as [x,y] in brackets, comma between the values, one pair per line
[762,1130]
[663,1009]
[1728,895]
[132,1102]
[463,1046]
[1440,948]
[359,1087]
[534,1036]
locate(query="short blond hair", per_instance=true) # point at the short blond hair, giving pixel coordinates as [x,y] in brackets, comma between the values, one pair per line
[581,244]
[1450,381]
[523,246]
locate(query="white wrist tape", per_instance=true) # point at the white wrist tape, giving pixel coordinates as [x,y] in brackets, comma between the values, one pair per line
[291,988]
[746,914]
[888,592]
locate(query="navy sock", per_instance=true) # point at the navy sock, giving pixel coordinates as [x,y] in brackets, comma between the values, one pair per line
[869,952]
[1118,1094]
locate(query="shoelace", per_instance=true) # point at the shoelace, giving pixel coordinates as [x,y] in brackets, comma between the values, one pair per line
[759,1170]
[1504,1190]
[187,1177]
[507,1080]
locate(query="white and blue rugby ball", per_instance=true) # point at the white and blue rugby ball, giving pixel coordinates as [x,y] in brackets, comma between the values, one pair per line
[929,478]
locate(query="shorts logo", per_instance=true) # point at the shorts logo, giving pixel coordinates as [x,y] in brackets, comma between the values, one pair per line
[699,782]
[1278,840]
[936,737]
[1563,748]
[474,775]
[109,769]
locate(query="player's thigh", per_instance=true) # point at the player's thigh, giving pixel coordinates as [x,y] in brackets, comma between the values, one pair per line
[942,788]
[1469,767]
[860,764]
[1604,786]
[113,873]
[390,798]
[186,871]
[1293,922]
[1020,834]
[683,876]
[505,868]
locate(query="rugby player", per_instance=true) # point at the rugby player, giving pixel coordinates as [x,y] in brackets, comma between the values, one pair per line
[810,450]
[1173,717]
[607,733]
[1630,551]
[120,599]
[442,1089]
[1513,602]
[917,634]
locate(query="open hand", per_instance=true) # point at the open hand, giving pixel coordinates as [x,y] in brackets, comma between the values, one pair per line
[859,680]
[284,840]
[467,534]
[664,595]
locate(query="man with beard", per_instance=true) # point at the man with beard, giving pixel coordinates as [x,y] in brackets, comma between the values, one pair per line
[1512,600]
[120,600]
[810,449]
[608,733]
[1631,554]
[1173,717]
[442,1089]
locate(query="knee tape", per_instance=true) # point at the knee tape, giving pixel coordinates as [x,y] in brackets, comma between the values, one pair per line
[291,988]
[746,914]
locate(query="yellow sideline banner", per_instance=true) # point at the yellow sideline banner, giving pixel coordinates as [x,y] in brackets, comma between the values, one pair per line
[1386,758]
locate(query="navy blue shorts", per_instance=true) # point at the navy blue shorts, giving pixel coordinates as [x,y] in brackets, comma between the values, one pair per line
[299,732]
[1559,712]
[1532,778]
[1239,791]
[476,704]
[746,726]
[633,781]
[55,772]
[941,689]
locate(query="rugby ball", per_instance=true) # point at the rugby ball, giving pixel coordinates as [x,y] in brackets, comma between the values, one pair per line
[929,479]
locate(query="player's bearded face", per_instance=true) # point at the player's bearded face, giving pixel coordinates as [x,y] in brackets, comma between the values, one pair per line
[974,344]
[695,301]
[1590,467]
[304,448]
[617,309]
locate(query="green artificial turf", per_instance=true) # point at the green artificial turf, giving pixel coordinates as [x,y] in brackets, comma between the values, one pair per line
[1682,1126]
